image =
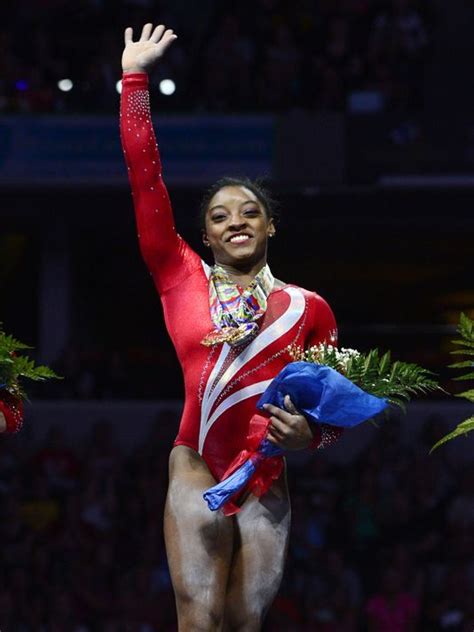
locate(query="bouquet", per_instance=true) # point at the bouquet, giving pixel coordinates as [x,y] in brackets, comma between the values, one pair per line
[329,386]
[13,368]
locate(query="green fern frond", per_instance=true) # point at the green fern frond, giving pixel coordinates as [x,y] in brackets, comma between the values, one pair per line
[8,344]
[469,395]
[461,365]
[465,329]
[467,376]
[14,368]
[462,429]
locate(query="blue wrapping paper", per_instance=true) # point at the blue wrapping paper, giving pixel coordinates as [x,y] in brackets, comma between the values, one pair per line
[318,392]
[322,394]
[218,495]
[221,493]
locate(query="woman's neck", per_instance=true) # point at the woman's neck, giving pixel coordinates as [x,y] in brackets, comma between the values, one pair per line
[242,276]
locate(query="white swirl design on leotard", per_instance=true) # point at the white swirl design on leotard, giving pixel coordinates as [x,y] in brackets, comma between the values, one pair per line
[280,327]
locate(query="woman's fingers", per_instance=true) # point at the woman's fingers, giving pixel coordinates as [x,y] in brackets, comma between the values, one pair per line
[146,32]
[278,427]
[278,412]
[157,33]
[128,35]
[270,437]
[290,407]
[167,38]
[274,436]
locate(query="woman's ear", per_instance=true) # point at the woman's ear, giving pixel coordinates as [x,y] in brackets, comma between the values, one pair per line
[271,229]
[205,240]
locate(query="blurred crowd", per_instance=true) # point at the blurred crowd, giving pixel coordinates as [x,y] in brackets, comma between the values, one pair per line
[95,373]
[260,55]
[384,543]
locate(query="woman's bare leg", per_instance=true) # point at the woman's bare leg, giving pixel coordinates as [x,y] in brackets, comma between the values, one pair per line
[260,546]
[198,545]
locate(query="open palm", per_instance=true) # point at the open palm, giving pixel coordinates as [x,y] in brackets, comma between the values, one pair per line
[140,56]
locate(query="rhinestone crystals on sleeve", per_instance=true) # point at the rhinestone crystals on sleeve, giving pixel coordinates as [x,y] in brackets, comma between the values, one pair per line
[329,435]
[154,215]
[138,104]
[137,121]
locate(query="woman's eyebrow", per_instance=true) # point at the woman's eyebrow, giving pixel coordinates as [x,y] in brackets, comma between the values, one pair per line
[222,206]
[249,202]
[217,206]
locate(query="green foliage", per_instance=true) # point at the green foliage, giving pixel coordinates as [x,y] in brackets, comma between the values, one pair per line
[466,330]
[395,381]
[14,367]
[376,373]
[462,429]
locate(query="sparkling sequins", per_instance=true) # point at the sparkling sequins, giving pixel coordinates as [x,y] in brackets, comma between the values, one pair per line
[204,371]
[329,436]
[138,103]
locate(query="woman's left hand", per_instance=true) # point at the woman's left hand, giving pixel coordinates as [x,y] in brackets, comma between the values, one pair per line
[288,429]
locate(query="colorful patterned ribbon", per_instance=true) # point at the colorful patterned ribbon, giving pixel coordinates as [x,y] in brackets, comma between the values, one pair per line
[234,314]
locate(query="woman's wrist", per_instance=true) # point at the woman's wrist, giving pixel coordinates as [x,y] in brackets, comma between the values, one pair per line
[134,71]
[316,440]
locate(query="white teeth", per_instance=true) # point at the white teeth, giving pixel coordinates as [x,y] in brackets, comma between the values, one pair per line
[239,238]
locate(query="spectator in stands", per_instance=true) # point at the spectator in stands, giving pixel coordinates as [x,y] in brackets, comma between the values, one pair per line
[57,462]
[278,83]
[397,48]
[229,58]
[392,609]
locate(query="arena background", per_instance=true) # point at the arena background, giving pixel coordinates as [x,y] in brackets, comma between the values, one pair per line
[360,115]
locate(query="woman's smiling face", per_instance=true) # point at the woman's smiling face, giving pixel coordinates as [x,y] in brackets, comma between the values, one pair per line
[237,227]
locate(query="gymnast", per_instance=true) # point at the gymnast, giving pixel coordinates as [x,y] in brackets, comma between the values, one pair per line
[231,324]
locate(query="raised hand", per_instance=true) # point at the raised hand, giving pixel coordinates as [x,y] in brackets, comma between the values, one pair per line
[140,56]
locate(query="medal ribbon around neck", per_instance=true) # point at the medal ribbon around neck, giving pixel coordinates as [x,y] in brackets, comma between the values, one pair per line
[234,314]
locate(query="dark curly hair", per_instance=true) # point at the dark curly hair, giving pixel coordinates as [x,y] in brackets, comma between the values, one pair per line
[256,186]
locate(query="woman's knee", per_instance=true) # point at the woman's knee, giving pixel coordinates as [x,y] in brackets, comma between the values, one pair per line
[198,615]
[244,620]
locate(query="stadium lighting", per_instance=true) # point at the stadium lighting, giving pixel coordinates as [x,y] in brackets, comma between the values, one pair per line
[118,86]
[65,85]
[167,87]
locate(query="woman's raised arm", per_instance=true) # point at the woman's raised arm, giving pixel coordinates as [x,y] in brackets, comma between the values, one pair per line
[167,256]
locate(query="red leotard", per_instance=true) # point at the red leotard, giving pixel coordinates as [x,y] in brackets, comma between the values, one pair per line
[222,384]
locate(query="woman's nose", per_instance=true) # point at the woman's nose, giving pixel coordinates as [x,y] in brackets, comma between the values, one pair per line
[237,221]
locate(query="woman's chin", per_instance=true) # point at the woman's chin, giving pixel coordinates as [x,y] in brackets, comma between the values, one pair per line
[243,255]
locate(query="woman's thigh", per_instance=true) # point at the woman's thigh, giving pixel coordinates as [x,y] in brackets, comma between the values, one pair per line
[198,544]
[260,546]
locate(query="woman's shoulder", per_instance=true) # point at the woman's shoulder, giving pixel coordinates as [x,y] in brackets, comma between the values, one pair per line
[311,295]
[279,285]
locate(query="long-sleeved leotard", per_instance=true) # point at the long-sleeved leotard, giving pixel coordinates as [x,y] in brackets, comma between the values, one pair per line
[222,384]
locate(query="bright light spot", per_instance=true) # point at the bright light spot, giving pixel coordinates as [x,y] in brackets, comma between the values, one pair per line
[65,85]
[167,86]
[21,84]
[118,86]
